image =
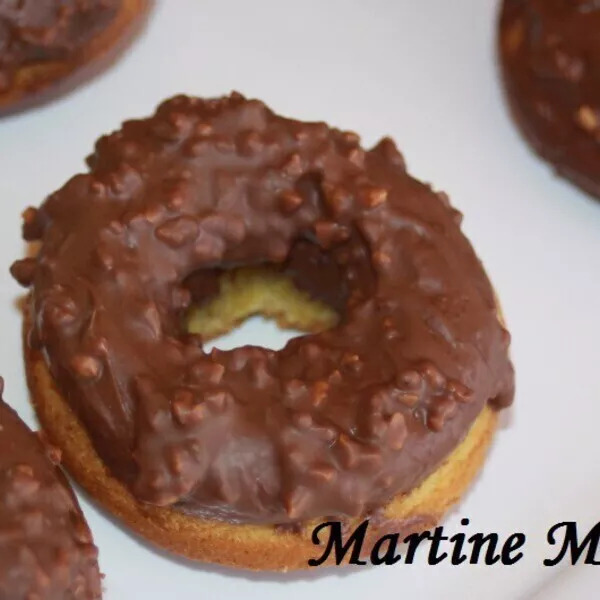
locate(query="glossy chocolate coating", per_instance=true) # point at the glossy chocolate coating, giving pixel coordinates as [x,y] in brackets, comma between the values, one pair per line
[550,53]
[39,31]
[46,549]
[336,423]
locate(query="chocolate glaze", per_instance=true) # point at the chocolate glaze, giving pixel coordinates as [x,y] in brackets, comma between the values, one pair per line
[46,549]
[336,423]
[34,31]
[550,51]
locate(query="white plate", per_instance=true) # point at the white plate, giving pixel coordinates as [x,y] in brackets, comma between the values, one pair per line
[422,71]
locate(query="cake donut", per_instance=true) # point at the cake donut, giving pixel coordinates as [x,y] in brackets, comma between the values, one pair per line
[550,57]
[49,46]
[46,548]
[232,456]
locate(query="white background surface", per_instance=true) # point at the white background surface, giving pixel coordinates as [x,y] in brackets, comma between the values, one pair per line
[422,71]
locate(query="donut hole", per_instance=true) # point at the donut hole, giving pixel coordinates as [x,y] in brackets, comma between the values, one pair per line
[252,293]
[306,294]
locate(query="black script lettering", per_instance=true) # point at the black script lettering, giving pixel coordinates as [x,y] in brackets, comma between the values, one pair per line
[458,540]
[513,542]
[413,540]
[570,542]
[478,540]
[436,538]
[390,557]
[335,542]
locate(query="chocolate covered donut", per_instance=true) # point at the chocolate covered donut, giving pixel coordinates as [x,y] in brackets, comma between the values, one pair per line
[550,55]
[48,46]
[338,423]
[46,549]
